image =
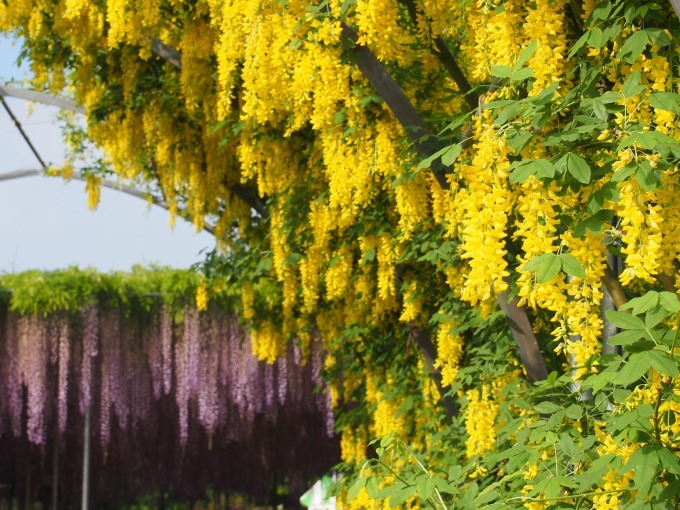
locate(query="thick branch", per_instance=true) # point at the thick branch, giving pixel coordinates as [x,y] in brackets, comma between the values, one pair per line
[529,351]
[422,338]
[667,283]
[174,57]
[250,198]
[446,58]
[403,110]
[170,55]
[407,115]
[611,282]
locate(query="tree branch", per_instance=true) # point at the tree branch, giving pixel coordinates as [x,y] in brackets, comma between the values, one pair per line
[408,117]
[446,58]
[170,55]
[529,351]
[391,93]
[422,338]
[174,57]
[611,282]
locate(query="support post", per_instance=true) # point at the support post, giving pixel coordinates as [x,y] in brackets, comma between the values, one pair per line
[86,460]
[55,472]
[608,303]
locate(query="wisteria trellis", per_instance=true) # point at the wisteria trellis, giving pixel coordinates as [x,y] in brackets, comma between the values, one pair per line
[120,367]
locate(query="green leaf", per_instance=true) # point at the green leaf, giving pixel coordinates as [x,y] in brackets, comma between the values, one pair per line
[644,462]
[369,256]
[578,45]
[646,139]
[571,265]
[451,154]
[646,176]
[598,468]
[425,488]
[669,301]
[631,86]
[552,488]
[537,262]
[643,303]
[669,101]
[610,97]
[575,165]
[508,113]
[658,36]
[655,316]
[596,38]
[372,487]
[462,119]
[664,363]
[501,71]
[671,491]
[669,460]
[356,488]
[547,408]
[637,365]
[600,110]
[624,320]
[633,47]
[544,169]
[522,74]
[601,11]
[626,337]
[525,55]
[427,162]
[398,499]
[567,445]
[578,168]
[574,412]
[595,202]
[594,223]
[549,269]
[519,140]
[522,170]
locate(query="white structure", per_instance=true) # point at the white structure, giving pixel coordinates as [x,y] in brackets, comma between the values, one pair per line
[317,498]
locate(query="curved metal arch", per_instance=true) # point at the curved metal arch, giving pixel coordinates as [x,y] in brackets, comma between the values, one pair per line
[107,183]
[41,97]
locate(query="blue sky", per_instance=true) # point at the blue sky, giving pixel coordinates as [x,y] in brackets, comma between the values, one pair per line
[45,223]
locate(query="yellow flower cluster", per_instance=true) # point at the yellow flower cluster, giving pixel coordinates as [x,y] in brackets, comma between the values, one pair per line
[248,301]
[339,274]
[641,224]
[378,24]
[614,480]
[412,196]
[353,444]
[413,304]
[449,352]
[202,296]
[494,35]
[545,24]
[480,421]
[536,226]
[268,342]
[93,189]
[487,202]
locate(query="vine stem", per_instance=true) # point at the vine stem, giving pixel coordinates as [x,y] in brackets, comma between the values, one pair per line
[570,496]
[669,382]
[424,469]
